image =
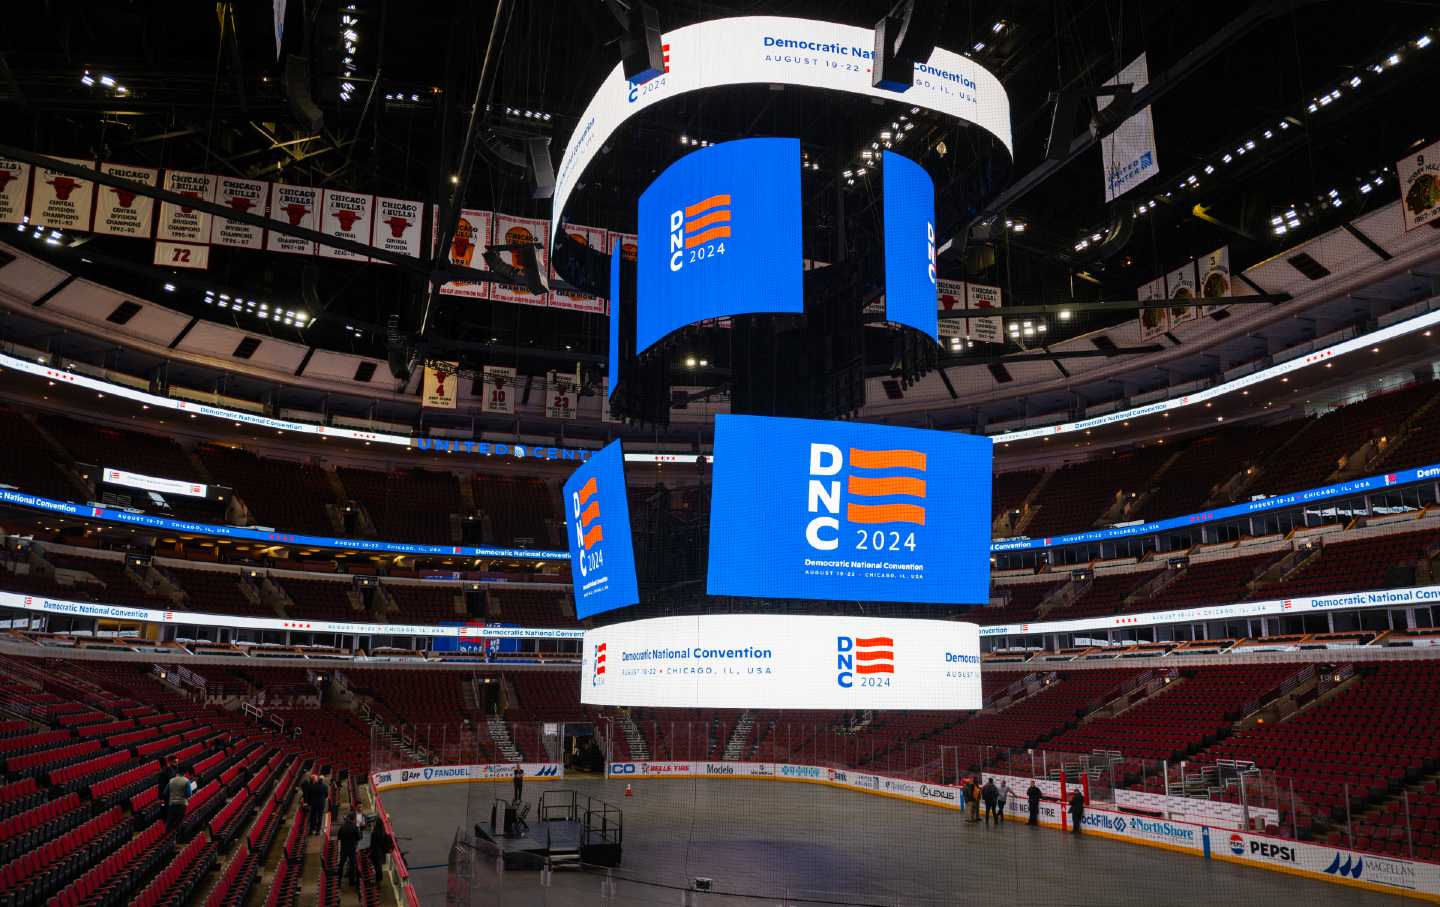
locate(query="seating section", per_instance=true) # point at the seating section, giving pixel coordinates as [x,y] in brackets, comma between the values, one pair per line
[1354,565]
[412,505]
[1195,709]
[286,495]
[1339,434]
[28,462]
[1204,463]
[518,509]
[1371,738]
[102,446]
[320,599]
[1211,582]
[1009,489]
[534,607]
[1079,494]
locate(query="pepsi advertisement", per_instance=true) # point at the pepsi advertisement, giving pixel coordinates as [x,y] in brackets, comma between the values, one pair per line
[597,521]
[848,511]
[911,290]
[720,236]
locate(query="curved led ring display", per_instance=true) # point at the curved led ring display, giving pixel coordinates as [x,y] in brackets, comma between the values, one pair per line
[777,50]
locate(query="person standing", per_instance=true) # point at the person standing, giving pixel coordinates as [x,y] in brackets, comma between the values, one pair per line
[964,794]
[316,792]
[167,771]
[333,792]
[349,838]
[1032,794]
[1003,799]
[1077,811]
[974,800]
[519,777]
[380,846]
[989,793]
[177,796]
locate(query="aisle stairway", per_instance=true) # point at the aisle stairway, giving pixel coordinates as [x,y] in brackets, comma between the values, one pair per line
[739,740]
[639,749]
[500,734]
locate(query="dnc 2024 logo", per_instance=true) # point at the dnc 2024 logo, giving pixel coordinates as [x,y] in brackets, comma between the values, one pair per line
[588,532]
[876,487]
[597,673]
[695,228]
[865,661]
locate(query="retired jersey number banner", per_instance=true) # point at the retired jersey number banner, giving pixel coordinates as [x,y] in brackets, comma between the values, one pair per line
[597,521]
[844,510]
[720,236]
[783,661]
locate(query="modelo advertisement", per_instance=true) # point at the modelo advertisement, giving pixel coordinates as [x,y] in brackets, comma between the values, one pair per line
[719,236]
[843,510]
[783,661]
[597,521]
[454,774]
[911,286]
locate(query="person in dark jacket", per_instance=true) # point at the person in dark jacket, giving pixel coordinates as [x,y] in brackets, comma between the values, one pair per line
[991,795]
[1033,795]
[349,838]
[519,776]
[334,794]
[1077,811]
[316,792]
[380,846]
[167,771]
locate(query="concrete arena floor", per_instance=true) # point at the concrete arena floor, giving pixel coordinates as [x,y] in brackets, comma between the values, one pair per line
[794,843]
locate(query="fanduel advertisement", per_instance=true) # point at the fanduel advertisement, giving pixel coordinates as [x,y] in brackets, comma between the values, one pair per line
[843,510]
[911,291]
[597,521]
[720,236]
[783,661]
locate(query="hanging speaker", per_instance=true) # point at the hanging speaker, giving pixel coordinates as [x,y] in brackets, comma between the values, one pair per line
[297,92]
[640,52]
[541,171]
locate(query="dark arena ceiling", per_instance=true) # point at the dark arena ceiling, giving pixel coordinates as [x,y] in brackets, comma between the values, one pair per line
[197,86]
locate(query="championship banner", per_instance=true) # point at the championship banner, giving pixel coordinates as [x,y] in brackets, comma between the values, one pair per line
[471,239]
[952,296]
[1180,289]
[1153,322]
[629,244]
[246,197]
[561,397]
[594,238]
[1420,186]
[396,226]
[984,330]
[511,230]
[62,202]
[122,212]
[181,255]
[14,184]
[498,390]
[181,224]
[1128,153]
[440,386]
[346,215]
[299,206]
[1214,276]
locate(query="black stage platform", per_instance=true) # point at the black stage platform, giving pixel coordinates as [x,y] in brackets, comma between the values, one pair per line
[568,828]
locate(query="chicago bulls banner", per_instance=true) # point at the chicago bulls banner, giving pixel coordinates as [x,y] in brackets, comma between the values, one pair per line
[561,395]
[62,202]
[346,215]
[14,185]
[122,212]
[396,226]
[247,197]
[441,385]
[983,330]
[952,296]
[499,390]
[299,206]
[629,244]
[514,230]
[182,224]
[594,238]
[471,239]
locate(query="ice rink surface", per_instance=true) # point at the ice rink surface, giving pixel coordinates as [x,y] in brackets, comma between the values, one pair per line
[769,843]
